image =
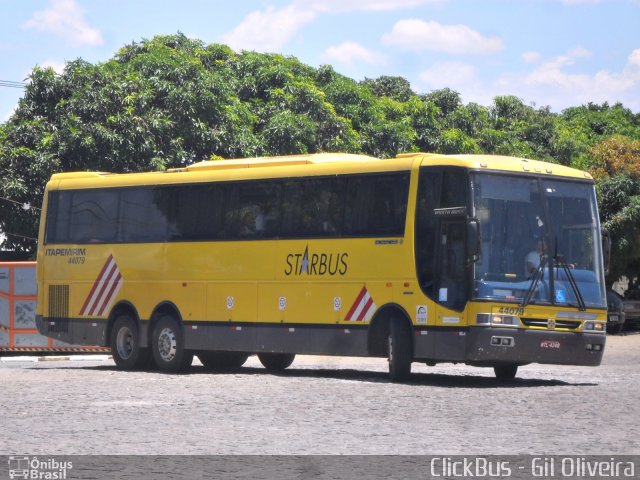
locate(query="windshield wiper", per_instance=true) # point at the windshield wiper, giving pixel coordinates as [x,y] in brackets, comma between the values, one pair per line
[537,276]
[572,281]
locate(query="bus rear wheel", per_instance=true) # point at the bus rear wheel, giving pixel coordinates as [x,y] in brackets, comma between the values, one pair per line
[167,345]
[399,352]
[505,372]
[125,344]
[276,362]
[222,360]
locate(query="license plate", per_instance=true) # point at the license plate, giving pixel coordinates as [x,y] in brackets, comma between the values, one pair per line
[550,344]
[613,318]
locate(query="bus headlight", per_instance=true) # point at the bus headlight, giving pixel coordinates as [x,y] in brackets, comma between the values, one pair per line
[497,320]
[593,326]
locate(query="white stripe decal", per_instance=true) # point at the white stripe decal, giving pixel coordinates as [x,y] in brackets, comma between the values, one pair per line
[364,309]
[361,305]
[370,312]
[108,282]
[109,300]
[105,289]
[98,290]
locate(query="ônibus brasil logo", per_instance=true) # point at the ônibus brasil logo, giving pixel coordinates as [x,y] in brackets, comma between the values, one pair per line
[37,468]
[316,263]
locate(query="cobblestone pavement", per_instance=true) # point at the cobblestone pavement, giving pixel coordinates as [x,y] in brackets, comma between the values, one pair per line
[322,405]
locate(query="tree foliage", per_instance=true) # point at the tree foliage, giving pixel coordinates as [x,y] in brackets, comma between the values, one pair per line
[616,155]
[169,101]
[616,163]
[620,212]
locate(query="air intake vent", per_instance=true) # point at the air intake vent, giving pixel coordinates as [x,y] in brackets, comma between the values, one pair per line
[544,323]
[58,318]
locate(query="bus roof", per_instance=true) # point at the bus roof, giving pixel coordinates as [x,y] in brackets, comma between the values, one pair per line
[309,164]
[497,163]
[278,161]
[238,169]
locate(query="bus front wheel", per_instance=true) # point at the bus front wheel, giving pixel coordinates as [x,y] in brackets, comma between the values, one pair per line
[399,352]
[125,344]
[276,362]
[167,345]
[222,360]
[505,372]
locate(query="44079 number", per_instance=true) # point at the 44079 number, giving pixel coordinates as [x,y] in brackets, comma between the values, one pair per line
[511,310]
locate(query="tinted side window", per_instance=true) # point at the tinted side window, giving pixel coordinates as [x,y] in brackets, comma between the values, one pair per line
[91,215]
[143,216]
[253,210]
[313,207]
[57,228]
[376,205]
[336,206]
[197,212]
[84,216]
[429,189]
[454,189]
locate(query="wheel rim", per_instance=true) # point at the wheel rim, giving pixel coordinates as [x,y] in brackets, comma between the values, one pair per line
[124,343]
[390,341]
[167,344]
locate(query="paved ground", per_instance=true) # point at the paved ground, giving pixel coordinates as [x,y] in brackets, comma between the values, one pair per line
[322,405]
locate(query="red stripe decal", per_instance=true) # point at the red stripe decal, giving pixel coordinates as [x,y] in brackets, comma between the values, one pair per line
[103,288]
[95,285]
[115,285]
[354,307]
[364,311]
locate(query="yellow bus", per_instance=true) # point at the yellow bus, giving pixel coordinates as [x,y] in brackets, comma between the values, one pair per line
[485,260]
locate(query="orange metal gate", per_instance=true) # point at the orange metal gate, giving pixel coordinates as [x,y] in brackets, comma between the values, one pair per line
[18,297]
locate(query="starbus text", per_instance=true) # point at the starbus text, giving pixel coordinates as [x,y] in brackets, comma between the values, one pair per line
[316,263]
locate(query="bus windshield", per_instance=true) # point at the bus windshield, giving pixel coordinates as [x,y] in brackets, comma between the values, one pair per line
[540,241]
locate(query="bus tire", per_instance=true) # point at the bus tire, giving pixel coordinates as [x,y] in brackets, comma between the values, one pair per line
[615,329]
[399,352]
[505,372]
[125,344]
[167,345]
[222,360]
[276,362]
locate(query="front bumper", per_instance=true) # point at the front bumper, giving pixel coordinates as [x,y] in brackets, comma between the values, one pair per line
[493,346]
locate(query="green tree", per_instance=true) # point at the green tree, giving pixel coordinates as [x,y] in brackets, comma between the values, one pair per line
[580,128]
[616,155]
[471,119]
[616,164]
[445,99]
[170,101]
[600,121]
[426,122]
[397,88]
[518,129]
[619,202]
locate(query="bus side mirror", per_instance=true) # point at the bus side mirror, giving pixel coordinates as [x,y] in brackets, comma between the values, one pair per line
[474,244]
[606,250]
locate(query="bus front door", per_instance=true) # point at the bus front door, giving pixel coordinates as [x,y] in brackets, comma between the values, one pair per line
[451,291]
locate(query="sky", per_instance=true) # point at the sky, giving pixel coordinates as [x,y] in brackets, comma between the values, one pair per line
[556,53]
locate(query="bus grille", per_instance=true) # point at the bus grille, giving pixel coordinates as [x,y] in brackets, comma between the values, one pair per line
[543,322]
[58,320]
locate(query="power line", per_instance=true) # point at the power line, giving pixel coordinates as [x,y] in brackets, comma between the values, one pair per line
[19,236]
[24,205]
[12,84]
